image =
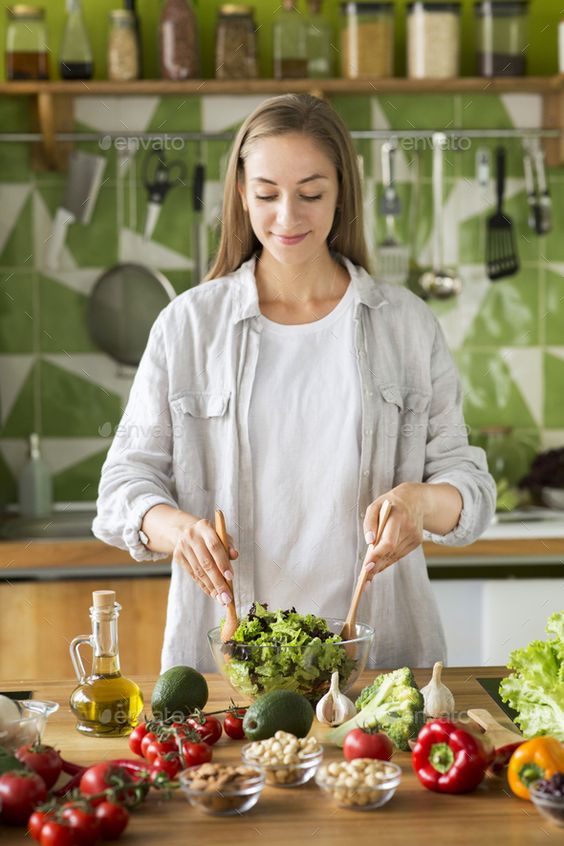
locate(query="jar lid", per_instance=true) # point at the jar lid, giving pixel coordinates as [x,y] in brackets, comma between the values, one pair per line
[235,9]
[366,7]
[122,15]
[22,11]
[501,8]
[451,6]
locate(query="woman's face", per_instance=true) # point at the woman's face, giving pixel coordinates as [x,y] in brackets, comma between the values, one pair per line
[291,193]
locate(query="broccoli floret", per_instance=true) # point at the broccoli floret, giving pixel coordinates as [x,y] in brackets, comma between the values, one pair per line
[392,703]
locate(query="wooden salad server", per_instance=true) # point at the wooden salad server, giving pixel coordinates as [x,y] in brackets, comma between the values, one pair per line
[349,629]
[231,622]
[505,741]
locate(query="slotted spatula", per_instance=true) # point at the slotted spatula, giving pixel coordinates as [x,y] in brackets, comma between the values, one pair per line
[348,632]
[231,622]
[501,249]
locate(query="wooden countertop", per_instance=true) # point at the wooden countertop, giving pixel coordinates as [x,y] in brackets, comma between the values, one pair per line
[92,554]
[414,816]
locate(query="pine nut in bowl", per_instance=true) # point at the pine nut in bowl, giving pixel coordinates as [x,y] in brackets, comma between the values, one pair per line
[360,785]
[222,790]
[285,760]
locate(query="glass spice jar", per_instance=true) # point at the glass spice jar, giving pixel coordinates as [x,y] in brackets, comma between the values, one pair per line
[178,39]
[289,33]
[123,50]
[433,40]
[502,37]
[27,51]
[235,43]
[367,40]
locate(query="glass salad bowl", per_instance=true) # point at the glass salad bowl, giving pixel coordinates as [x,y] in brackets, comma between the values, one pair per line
[256,668]
[28,726]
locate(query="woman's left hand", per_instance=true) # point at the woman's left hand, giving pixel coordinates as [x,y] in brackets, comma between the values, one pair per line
[403,531]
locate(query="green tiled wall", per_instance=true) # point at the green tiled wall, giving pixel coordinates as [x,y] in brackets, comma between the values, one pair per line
[507,337]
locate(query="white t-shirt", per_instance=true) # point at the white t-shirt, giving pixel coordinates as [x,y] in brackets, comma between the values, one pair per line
[305,434]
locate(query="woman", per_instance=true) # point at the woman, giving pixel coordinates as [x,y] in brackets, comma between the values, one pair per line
[296,393]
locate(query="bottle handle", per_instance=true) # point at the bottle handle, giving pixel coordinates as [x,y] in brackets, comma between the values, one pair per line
[75,655]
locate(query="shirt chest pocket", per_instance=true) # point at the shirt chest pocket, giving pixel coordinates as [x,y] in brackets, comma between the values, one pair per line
[200,434]
[406,412]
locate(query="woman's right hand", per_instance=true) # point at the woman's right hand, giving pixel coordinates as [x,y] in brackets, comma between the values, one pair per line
[200,550]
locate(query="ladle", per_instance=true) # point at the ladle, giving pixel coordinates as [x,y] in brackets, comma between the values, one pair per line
[439,282]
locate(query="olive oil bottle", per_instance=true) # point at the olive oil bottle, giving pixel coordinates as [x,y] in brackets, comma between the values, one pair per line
[105,703]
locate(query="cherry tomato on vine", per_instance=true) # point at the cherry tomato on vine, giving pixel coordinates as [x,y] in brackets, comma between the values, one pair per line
[36,822]
[113,819]
[146,740]
[85,826]
[209,730]
[20,793]
[43,760]
[158,748]
[55,833]
[196,753]
[233,723]
[136,737]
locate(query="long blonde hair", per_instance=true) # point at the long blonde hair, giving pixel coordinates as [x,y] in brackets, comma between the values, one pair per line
[317,120]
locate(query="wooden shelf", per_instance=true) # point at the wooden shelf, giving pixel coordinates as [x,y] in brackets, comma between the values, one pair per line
[54,100]
[144,87]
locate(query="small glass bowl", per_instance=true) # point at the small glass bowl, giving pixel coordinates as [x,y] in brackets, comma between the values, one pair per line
[286,775]
[551,807]
[229,800]
[363,797]
[29,727]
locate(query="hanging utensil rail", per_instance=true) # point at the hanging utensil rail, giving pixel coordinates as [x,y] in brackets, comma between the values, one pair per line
[361,134]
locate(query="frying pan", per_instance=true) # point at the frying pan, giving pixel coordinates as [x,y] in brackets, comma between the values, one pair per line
[123,306]
[128,297]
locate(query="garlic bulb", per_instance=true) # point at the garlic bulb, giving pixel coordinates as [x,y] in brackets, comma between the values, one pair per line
[438,698]
[334,708]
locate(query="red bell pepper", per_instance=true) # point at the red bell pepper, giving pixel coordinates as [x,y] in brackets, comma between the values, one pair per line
[450,758]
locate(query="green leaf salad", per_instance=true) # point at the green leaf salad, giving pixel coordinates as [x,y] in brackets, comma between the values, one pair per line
[536,687]
[284,650]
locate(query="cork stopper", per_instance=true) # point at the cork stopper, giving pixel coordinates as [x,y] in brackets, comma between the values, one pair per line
[103,598]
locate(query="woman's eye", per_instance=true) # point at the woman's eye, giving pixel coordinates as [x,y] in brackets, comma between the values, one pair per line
[269,197]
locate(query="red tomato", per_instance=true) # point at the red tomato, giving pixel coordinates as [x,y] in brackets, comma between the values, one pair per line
[85,826]
[209,730]
[169,765]
[98,778]
[36,822]
[43,760]
[146,740]
[54,833]
[196,753]
[136,737]
[20,793]
[233,724]
[159,748]
[360,743]
[113,820]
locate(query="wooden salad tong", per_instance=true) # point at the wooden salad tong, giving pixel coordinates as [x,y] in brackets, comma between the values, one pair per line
[231,622]
[348,631]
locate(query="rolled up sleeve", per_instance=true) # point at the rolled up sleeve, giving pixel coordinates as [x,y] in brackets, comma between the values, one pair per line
[449,458]
[137,472]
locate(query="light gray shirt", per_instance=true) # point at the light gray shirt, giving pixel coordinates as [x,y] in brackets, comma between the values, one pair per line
[184,441]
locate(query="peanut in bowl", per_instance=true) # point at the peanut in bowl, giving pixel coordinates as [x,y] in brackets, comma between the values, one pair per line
[222,789]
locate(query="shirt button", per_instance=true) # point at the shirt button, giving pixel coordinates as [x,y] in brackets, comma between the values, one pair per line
[366,473]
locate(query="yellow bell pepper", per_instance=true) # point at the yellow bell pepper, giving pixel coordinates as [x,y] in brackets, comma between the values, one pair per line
[540,757]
